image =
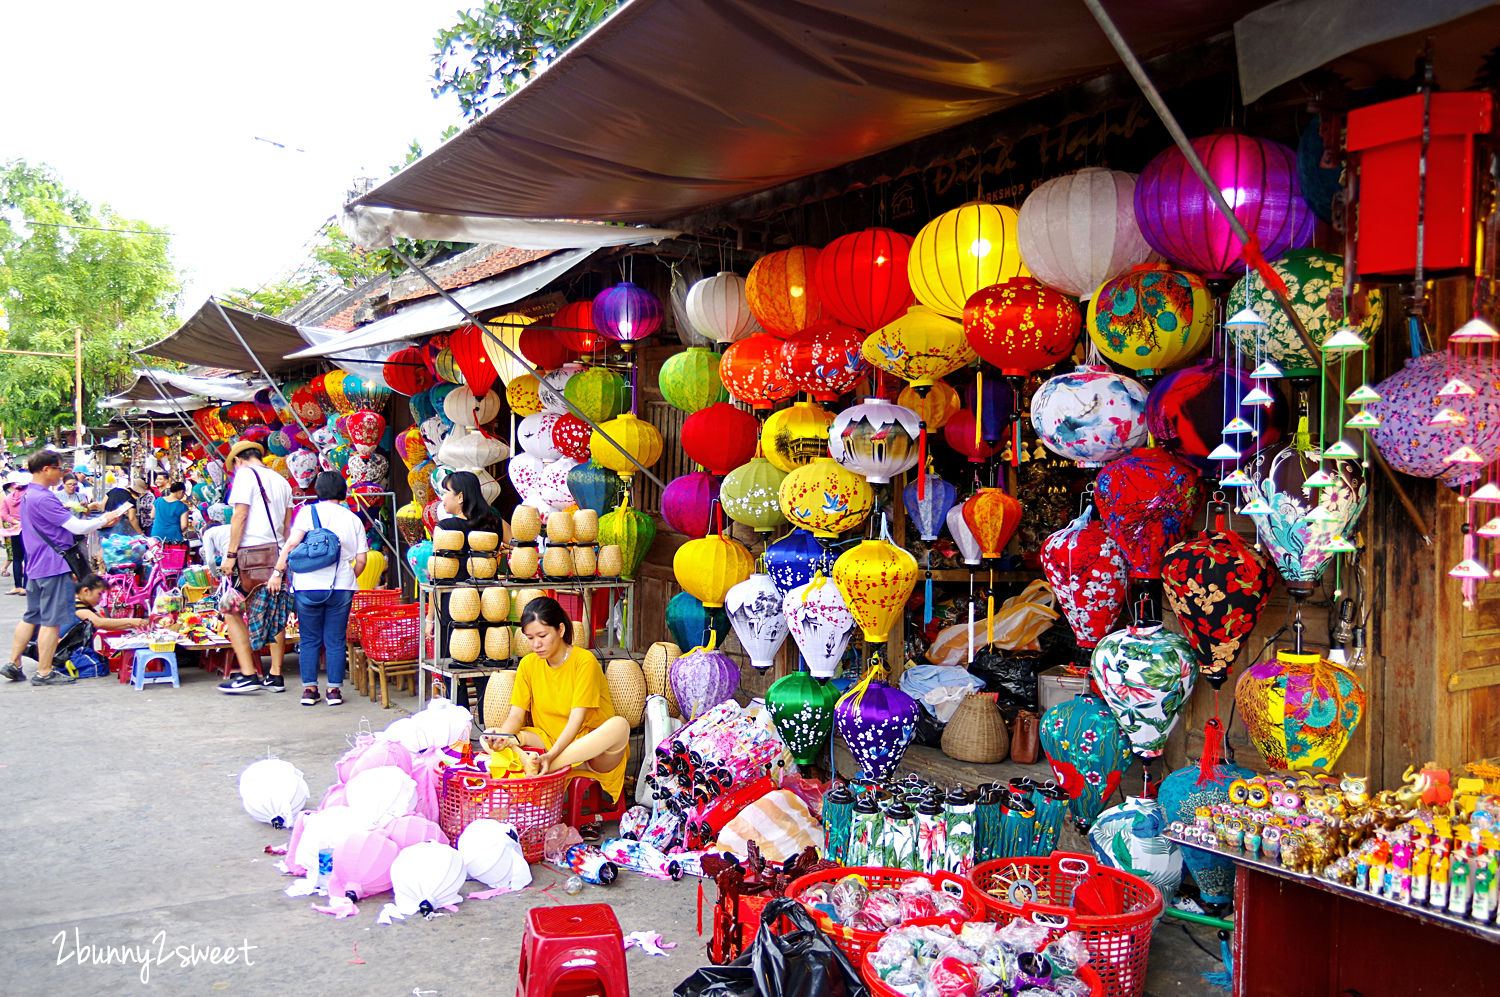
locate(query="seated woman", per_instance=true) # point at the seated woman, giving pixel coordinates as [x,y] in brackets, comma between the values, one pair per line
[572,718]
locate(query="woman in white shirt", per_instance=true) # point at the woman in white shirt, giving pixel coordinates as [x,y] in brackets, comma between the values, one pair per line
[323,595]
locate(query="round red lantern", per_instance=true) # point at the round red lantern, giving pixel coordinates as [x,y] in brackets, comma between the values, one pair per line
[430,351]
[544,349]
[431,513]
[782,293]
[959,434]
[406,372]
[242,416]
[751,371]
[861,278]
[466,343]
[574,326]
[571,435]
[720,437]
[304,403]
[1021,326]
[824,359]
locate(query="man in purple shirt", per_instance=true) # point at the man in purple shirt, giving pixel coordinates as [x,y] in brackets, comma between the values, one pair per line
[47,529]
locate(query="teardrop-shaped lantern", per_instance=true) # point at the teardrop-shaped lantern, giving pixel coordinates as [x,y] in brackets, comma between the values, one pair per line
[1148,500]
[1089,576]
[1182,795]
[1304,527]
[963,537]
[877,721]
[693,624]
[820,624]
[876,578]
[929,510]
[754,607]
[702,679]
[875,439]
[1146,676]
[992,516]
[630,530]
[1216,585]
[802,708]
[1300,710]
[1087,752]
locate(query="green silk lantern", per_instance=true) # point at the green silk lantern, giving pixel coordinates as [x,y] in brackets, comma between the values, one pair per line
[750,495]
[690,380]
[632,531]
[599,393]
[802,710]
[1314,281]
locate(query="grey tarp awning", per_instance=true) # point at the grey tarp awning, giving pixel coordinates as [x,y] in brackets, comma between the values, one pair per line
[671,106]
[173,384]
[206,339]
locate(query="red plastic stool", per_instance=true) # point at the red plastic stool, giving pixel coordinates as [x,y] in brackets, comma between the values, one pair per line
[586,802]
[573,951]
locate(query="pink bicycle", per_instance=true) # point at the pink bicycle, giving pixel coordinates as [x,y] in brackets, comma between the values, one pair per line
[128,596]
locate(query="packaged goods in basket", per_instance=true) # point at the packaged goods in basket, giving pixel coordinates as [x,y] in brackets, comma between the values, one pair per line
[935,960]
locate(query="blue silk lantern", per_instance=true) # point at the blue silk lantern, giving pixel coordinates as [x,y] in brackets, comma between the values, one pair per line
[689,621]
[595,487]
[417,556]
[421,407]
[1087,752]
[627,313]
[996,403]
[929,511]
[1181,794]
[877,721]
[795,558]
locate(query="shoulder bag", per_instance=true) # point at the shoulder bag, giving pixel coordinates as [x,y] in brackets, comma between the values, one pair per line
[76,555]
[253,564]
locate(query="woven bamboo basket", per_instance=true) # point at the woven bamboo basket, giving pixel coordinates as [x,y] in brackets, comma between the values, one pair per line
[494,603]
[522,598]
[582,635]
[497,696]
[585,563]
[463,604]
[483,541]
[557,562]
[464,644]
[447,539]
[497,643]
[627,689]
[977,732]
[482,567]
[443,566]
[523,562]
[610,561]
[658,664]
[560,527]
[585,526]
[525,524]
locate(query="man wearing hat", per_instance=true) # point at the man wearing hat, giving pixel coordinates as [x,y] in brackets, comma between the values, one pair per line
[262,504]
[130,524]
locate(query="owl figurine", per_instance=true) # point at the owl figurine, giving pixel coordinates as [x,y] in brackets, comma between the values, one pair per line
[1355,790]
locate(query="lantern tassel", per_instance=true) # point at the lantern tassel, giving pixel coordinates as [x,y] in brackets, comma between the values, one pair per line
[700,908]
[927,597]
[922,462]
[971,619]
[978,407]
[989,609]
[1213,747]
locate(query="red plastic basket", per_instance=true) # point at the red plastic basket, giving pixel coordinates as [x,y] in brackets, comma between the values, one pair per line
[856,941]
[391,633]
[730,939]
[529,805]
[879,989]
[1119,943]
[369,599]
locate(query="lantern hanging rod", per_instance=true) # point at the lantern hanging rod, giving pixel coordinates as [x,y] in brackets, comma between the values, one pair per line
[1180,139]
[525,364]
[176,409]
[259,366]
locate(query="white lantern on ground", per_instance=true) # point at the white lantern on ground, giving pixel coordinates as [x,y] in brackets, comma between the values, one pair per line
[491,853]
[426,877]
[381,794]
[272,791]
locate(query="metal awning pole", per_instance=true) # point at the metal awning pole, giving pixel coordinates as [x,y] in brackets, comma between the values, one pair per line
[534,372]
[1179,137]
[260,366]
[176,408]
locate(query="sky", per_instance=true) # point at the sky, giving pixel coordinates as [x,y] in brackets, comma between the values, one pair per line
[156,108]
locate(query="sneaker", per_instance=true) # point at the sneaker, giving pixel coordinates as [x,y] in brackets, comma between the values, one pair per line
[54,677]
[335,696]
[238,683]
[13,672]
[310,695]
[274,683]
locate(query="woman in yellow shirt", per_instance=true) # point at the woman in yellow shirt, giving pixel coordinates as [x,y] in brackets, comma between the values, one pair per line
[563,688]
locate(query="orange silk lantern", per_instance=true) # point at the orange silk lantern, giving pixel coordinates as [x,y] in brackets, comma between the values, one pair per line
[937,407]
[992,516]
[1021,326]
[751,371]
[781,291]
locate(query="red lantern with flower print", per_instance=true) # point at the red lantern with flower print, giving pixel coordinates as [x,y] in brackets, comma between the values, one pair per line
[574,324]
[1021,326]
[305,404]
[720,437]
[824,359]
[571,435]
[406,372]
[751,371]
[431,513]
[1089,575]
[466,343]
[365,428]
[1148,500]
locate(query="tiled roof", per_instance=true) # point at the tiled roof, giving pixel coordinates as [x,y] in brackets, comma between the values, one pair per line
[502,259]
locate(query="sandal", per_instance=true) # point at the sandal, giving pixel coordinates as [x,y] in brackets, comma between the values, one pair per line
[592,831]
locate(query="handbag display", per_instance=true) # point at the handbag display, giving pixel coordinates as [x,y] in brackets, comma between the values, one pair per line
[1025,737]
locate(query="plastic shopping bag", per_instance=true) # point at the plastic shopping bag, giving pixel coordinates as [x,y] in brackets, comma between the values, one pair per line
[1016,626]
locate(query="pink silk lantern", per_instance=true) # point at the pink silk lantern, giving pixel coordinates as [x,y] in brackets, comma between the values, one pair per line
[303,465]
[1148,500]
[687,503]
[365,428]
[413,829]
[373,754]
[362,865]
[1089,574]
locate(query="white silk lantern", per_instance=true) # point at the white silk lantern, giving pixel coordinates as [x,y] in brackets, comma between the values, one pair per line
[1079,230]
[718,309]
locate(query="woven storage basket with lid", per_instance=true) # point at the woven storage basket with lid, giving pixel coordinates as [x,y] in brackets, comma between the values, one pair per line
[658,664]
[494,603]
[585,526]
[977,732]
[447,539]
[560,527]
[463,604]
[523,562]
[627,689]
[464,644]
[525,524]
[483,541]
[497,643]
[610,561]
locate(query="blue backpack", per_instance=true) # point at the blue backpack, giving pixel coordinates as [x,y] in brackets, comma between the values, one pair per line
[319,548]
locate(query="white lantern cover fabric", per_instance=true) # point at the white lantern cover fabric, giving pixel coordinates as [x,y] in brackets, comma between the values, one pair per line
[463,409]
[326,828]
[1129,837]
[381,794]
[755,611]
[717,308]
[474,450]
[968,543]
[426,877]
[1090,415]
[525,472]
[1077,231]
[554,487]
[820,624]
[272,791]
[876,439]
[491,852]
[550,390]
[534,435]
[929,510]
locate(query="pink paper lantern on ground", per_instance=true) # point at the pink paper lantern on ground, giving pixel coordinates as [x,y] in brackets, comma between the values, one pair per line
[413,829]
[362,865]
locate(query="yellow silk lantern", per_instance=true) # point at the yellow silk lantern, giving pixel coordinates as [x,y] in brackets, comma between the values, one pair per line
[420,480]
[709,567]
[992,516]
[962,250]
[826,498]
[333,383]
[523,395]
[506,329]
[446,367]
[876,578]
[793,436]
[374,570]
[1151,318]
[940,404]
[637,436]
[920,346]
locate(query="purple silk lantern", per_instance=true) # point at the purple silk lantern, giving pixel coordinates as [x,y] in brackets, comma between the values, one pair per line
[930,510]
[877,721]
[627,313]
[702,679]
[687,503]
[1258,178]
[996,401]
[1185,413]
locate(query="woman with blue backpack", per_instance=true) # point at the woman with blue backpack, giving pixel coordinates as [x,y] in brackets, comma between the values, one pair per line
[325,553]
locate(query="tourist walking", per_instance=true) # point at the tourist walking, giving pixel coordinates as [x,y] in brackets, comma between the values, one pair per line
[254,615]
[10,531]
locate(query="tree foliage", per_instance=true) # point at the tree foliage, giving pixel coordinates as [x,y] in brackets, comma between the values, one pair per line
[64,265]
[496,47]
[332,261]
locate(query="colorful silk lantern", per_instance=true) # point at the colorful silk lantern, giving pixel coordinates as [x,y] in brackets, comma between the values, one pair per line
[795,435]
[928,506]
[919,346]
[1089,575]
[992,516]
[1077,231]
[751,371]
[689,380]
[554,485]
[718,308]
[1130,837]
[1182,795]
[409,522]
[522,397]
[627,313]
[1306,526]
[793,560]
[363,393]
[571,436]
[702,679]
[365,430]
[468,349]
[802,710]
[304,466]
[1216,585]
[1185,413]
[1145,675]
[720,437]
[1414,442]
[632,531]
[333,383]
[824,359]
[961,251]
[242,416]
[573,325]
[877,721]
[687,503]
[940,404]
[534,435]
[824,497]
[862,279]
[1020,325]
[819,622]
[750,495]
[690,622]
[1087,752]
[876,578]
[1090,415]
[875,439]
[262,401]
[1300,710]
[1258,178]
[959,433]
[1147,500]
[1151,318]
[710,566]
[410,446]
[754,608]
[417,556]
[782,293]
[595,487]
[639,438]
[554,385]
[599,393]
[1314,281]
[304,403]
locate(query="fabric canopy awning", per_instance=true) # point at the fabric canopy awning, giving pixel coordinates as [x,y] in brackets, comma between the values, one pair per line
[226,389]
[670,106]
[207,339]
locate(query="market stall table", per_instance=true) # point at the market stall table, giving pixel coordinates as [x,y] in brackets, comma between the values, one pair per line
[217,655]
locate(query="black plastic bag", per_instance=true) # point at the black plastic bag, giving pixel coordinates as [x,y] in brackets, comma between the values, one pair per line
[929,729]
[802,963]
[1012,674]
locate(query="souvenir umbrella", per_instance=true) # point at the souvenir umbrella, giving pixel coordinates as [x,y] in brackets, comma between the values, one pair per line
[1145,675]
[1089,576]
[802,708]
[820,623]
[877,721]
[1087,752]
[754,607]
